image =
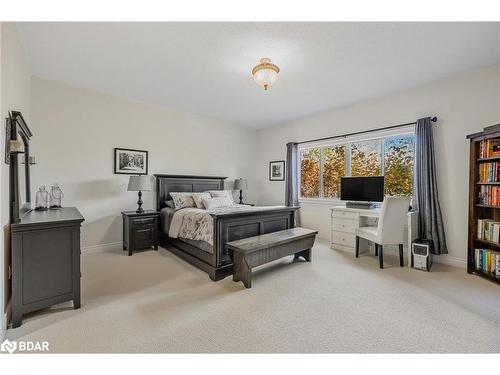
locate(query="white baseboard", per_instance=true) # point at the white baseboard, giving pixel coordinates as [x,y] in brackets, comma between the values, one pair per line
[101,248]
[450,261]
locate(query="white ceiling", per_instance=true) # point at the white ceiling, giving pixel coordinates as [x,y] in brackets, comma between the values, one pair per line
[205,68]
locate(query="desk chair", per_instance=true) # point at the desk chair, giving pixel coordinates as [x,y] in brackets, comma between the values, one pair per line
[390,228]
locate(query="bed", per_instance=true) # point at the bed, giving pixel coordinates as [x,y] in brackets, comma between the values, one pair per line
[227,226]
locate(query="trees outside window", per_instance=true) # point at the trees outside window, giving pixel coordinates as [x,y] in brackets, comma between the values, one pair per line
[399,153]
[333,170]
[366,158]
[323,167]
[310,173]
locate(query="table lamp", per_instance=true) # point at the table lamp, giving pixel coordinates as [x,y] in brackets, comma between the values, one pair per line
[140,184]
[241,184]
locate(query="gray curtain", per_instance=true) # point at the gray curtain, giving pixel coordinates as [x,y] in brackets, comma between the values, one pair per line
[430,221]
[292,178]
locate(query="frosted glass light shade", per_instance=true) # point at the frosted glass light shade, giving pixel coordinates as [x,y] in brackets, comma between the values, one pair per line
[265,74]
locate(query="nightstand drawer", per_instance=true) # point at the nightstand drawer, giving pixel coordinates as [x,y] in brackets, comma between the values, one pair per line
[144,233]
[144,221]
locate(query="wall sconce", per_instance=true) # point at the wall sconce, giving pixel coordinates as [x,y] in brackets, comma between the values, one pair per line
[16,147]
[32,161]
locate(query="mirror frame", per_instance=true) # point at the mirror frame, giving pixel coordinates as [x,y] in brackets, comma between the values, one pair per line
[18,126]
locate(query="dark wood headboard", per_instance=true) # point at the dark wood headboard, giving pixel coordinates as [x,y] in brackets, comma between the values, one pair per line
[167,183]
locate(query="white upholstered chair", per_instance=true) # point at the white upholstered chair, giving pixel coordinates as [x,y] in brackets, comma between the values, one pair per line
[390,228]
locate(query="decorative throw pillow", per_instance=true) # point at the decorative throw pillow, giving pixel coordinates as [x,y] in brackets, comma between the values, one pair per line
[170,204]
[222,194]
[183,200]
[198,199]
[211,203]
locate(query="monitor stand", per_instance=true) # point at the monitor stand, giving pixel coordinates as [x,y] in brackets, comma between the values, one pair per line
[363,205]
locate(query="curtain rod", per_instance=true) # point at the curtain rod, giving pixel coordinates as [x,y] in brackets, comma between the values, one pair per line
[433,119]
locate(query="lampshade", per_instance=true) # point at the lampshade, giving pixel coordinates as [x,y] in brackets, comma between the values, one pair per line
[240,184]
[265,74]
[137,183]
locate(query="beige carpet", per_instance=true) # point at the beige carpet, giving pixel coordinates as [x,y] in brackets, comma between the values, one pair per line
[155,302]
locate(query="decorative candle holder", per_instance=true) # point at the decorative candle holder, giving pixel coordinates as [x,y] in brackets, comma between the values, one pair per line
[56,196]
[42,199]
[32,161]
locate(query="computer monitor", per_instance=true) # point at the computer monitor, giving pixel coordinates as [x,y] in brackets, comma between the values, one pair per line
[362,189]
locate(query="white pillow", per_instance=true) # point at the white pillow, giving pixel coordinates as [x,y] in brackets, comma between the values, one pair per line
[222,194]
[198,199]
[183,200]
[211,203]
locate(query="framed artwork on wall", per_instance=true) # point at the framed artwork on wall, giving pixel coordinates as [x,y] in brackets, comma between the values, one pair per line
[277,170]
[128,161]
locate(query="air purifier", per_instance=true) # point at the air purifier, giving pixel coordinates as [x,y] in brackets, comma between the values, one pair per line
[421,254]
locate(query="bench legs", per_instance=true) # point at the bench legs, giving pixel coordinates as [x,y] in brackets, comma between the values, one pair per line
[306,254]
[242,272]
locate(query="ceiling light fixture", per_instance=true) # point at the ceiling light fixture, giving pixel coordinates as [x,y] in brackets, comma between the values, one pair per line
[265,73]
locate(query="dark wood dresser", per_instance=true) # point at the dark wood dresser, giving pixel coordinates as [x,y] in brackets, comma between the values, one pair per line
[45,260]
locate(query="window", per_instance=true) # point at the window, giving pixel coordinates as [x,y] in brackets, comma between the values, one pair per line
[310,172]
[366,159]
[321,168]
[333,170]
[399,153]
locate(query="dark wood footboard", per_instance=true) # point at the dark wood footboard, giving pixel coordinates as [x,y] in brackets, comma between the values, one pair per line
[235,226]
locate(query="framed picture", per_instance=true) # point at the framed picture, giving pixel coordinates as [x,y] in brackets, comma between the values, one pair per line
[129,161]
[277,170]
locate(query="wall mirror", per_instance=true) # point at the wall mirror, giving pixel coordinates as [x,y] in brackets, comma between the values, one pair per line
[19,135]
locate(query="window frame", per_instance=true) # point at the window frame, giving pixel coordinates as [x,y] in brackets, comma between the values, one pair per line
[347,141]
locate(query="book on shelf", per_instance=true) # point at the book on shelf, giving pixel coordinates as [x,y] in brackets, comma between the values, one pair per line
[489,195]
[489,230]
[487,261]
[489,172]
[489,148]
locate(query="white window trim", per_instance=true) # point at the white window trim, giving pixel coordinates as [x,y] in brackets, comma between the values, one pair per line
[382,135]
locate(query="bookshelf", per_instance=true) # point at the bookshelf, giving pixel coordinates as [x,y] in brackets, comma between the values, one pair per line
[484,195]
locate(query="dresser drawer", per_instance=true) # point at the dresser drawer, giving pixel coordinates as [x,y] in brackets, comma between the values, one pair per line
[344,214]
[345,239]
[344,225]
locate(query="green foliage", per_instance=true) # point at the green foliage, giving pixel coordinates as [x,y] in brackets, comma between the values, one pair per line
[398,163]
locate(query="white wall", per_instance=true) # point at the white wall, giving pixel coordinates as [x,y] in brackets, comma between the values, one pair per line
[15,95]
[464,104]
[77,130]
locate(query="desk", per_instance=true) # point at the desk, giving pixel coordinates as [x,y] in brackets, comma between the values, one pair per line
[345,221]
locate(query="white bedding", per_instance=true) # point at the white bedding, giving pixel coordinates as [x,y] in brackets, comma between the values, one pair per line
[197,224]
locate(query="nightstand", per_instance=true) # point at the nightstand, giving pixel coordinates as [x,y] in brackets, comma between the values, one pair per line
[140,231]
